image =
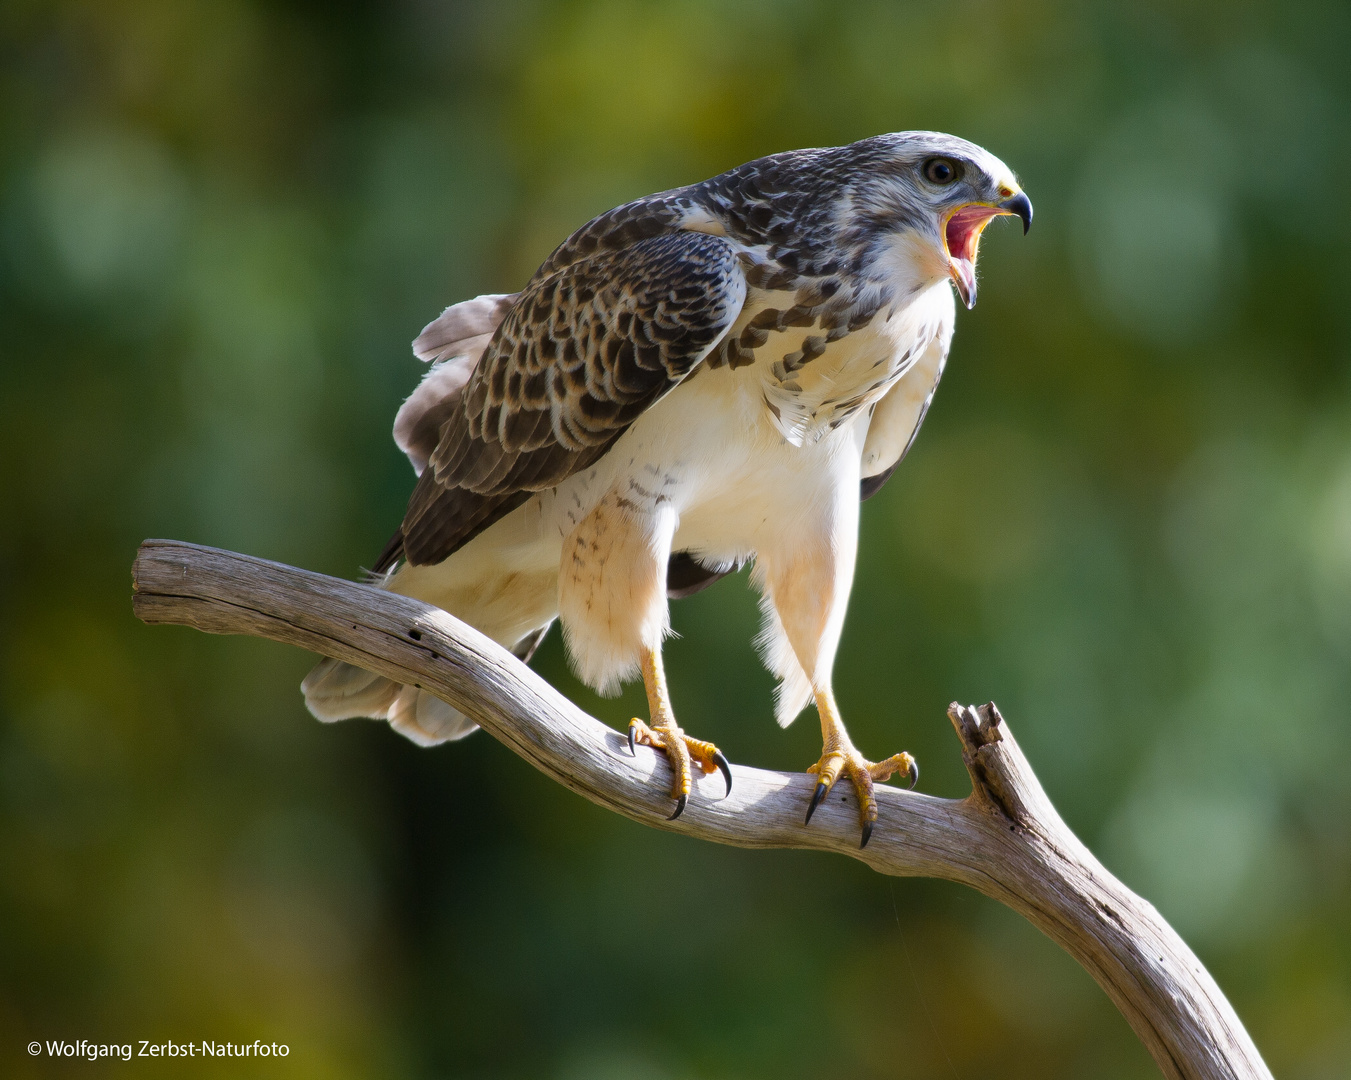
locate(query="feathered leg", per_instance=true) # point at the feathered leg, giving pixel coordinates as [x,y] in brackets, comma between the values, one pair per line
[806,580]
[612,601]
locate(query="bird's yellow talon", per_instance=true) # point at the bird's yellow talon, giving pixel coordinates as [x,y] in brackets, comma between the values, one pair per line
[682,752]
[838,756]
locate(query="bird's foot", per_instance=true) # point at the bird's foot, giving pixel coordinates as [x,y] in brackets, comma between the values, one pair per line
[680,751]
[861,773]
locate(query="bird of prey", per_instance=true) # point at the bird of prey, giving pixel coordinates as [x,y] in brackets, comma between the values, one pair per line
[700,378]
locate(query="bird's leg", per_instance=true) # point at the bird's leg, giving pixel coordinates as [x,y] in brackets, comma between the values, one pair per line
[808,585]
[839,756]
[664,734]
[613,604]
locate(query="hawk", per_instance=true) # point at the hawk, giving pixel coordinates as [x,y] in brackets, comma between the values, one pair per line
[700,378]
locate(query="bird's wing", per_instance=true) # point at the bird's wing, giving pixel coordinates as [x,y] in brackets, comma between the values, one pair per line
[897,418]
[580,355]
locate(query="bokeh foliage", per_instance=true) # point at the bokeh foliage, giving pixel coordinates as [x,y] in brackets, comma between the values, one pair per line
[1128,521]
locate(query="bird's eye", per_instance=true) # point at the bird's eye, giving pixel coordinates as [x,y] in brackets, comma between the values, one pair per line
[941,170]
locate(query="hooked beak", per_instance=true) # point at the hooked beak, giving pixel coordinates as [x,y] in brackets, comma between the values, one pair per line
[1019,206]
[961,236]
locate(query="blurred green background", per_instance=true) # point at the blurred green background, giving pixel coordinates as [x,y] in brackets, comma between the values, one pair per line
[1128,521]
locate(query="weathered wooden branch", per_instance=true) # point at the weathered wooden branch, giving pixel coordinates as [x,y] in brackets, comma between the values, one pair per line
[1004,839]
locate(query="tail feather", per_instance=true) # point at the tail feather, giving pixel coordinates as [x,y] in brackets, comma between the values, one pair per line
[426,719]
[335,690]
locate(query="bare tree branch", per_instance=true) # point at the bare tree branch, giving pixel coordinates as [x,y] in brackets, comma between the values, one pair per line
[1004,839]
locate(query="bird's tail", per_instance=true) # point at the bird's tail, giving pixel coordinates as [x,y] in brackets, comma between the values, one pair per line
[335,690]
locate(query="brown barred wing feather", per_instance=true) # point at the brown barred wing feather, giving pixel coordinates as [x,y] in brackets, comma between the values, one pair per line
[582,353]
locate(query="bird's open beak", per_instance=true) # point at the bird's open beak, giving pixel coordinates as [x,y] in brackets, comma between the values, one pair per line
[961,236]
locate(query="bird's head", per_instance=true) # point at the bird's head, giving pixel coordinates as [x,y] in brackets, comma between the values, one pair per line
[926,198]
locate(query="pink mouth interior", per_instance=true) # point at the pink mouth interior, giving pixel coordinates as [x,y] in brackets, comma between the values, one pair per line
[963,231]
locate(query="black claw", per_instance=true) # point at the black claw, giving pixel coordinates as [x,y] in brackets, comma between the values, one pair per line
[867,835]
[721,762]
[680,807]
[820,793]
[913,774]
[633,739]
